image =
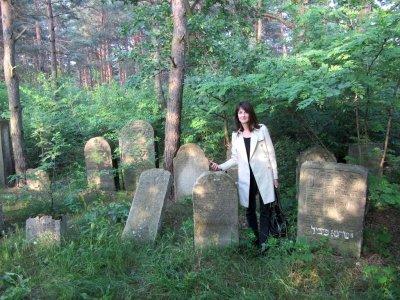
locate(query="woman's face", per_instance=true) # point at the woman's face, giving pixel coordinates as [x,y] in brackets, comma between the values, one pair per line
[243,116]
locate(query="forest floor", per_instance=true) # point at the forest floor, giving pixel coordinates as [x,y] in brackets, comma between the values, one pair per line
[94,262]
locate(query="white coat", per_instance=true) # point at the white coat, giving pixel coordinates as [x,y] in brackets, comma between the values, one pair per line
[262,162]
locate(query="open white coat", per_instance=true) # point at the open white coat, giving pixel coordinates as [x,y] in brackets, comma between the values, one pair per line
[262,162]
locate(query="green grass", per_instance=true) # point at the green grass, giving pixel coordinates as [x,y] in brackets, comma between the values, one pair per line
[94,262]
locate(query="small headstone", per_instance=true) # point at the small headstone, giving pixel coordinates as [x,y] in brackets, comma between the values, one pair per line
[1,218]
[215,210]
[189,163]
[37,180]
[6,157]
[45,229]
[136,142]
[99,169]
[332,203]
[367,155]
[145,215]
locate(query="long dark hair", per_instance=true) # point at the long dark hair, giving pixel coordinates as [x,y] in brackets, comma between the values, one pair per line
[247,107]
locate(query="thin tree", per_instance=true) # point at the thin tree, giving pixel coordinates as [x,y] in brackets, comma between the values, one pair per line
[53,53]
[12,83]
[176,81]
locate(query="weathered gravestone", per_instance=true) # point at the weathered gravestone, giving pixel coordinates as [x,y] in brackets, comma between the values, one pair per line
[367,155]
[189,163]
[6,158]
[37,180]
[215,210]
[145,215]
[331,204]
[99,169]
[45,229]
[1,218]
[136,142]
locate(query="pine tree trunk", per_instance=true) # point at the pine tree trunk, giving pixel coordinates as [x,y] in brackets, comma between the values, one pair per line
[12,83]
[53,53]
[176,81]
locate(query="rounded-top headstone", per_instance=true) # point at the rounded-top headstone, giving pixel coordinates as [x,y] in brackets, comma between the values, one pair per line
[136,142]
[215,210]
[99,170]
[189,163]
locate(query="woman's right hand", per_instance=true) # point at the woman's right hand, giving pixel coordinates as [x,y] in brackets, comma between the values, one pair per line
[214,166]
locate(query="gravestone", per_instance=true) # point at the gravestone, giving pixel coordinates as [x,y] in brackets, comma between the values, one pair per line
[367,155]
[99,169]
[136,142]
[37,180]
[45,229]
[332,203]
[145,215]
[189,163]
[215,210]
[6,157]
[2,218]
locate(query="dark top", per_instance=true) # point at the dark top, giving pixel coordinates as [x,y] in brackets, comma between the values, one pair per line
[253,183]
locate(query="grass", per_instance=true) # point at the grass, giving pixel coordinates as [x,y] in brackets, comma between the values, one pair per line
[94,262]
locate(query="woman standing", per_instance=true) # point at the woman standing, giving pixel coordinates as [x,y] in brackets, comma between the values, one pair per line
[254,154]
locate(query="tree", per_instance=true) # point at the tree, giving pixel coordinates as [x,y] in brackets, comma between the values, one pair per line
[12,83]
[176,81]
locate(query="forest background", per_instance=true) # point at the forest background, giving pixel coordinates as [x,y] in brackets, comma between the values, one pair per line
[321,73]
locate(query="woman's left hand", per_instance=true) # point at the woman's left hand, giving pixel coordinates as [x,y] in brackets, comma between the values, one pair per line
[276,183]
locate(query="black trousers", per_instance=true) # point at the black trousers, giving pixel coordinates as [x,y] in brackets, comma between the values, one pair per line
[263,232]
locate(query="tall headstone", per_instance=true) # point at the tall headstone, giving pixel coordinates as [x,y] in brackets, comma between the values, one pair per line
[189,163]
[315,153]
[145,215]
[136,142]
[367,155]
[45,229]
[37,180]
[6,157]
[215,210]
[99,169]
[332,203]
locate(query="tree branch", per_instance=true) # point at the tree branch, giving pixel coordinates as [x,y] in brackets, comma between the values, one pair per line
[20,34]
[279,19]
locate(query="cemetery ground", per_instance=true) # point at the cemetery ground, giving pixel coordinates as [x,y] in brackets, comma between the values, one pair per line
[94,262]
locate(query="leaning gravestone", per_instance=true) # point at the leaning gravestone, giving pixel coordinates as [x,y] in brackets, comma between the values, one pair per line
[215,210]
[136,142]
[331,204]
[37,180]
[189,163]
[145,215]
[45,229]
[6,158]
[367,155]
[99,170]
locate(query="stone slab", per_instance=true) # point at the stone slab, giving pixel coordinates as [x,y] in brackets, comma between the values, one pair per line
[45,229]
[331,204]
[37,180]
[215,210]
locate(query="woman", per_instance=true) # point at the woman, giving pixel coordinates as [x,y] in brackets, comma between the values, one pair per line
[253,152]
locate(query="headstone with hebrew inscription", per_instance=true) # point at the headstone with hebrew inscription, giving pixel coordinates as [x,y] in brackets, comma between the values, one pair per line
[136,142]
[331,204]
[215,210]
[145,215]
[6,157]
[367,154]
[99,169]
[45,229]
[189,163]
[37,180]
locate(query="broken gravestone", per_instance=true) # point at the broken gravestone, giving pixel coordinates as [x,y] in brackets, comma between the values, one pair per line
[45,229]
[37,180]
[367,155]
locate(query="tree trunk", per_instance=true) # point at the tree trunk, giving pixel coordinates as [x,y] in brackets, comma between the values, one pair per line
[259,26]
[53,53]
[176,81]
[12,83]
[158,80]
[388,127]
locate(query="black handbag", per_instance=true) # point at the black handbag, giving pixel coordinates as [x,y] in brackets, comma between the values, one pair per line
[279,225]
